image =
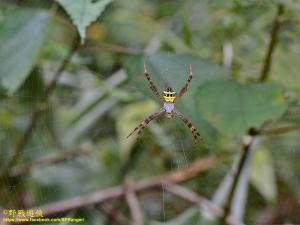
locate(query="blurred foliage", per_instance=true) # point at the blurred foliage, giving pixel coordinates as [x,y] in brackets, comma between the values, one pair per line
[103,94]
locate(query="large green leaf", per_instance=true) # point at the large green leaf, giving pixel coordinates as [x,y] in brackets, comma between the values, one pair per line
[83,12]
[233,107]
[172,70]
[21,35]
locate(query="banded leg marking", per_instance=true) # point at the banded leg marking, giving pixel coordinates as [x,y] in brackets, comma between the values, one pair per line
[145,122]
[185,86]
[194,131]
[152,85]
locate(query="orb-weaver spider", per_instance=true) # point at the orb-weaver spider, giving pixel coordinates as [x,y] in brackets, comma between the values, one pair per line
[169,98]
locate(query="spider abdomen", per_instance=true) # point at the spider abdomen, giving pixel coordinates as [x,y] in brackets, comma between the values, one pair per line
[169,106]
[168,98]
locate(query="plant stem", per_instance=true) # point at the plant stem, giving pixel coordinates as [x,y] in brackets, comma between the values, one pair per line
[38,111]
[41,106]
[195,198]
[101,196]
[272,44]
[252,132]
[228,203]
[114,215]
[133,203]
[279,130]
[20,170]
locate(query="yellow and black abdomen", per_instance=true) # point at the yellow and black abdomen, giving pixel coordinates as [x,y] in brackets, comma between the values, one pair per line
[169,95]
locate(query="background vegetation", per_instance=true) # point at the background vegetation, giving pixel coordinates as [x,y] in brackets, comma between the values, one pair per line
[72,87]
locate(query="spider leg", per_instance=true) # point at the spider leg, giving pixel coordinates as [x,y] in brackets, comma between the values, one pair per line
[194,131]
[184,87]
[145,122]
[152,85]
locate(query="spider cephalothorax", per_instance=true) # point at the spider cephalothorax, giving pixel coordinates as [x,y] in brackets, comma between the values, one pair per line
[169,98]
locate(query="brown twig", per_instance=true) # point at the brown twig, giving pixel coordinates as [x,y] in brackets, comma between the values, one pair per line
[118,191]
[41,106]
[113,215]
[252,132]
[113,48]
[290,21]
[236,176]
[199,200]
[133,203]
[280,130]
[272,44]
[48,160]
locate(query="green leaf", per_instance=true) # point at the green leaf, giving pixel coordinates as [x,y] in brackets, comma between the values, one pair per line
[172,70]
[263,174]
[233,107]
[83,12]
[21,35]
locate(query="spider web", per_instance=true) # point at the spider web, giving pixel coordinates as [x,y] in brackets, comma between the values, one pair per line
[82,174]
[74,176]
[179,157]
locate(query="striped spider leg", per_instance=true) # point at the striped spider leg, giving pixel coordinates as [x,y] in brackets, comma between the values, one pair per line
[152,85]
[145,122]
[168,98]
[184,87]
[194,131]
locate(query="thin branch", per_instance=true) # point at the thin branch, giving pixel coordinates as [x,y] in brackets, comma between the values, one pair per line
[41,106]
[115,206]
[236,177]
[253,132]
[113,215]
[280,130]
[227,54]
[48,160]
[133,203]
[287,21]
[199,200]
[272,44]
[113,48]
[118,191]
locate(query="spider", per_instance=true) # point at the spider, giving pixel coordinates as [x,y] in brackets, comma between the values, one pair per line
[169,98]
